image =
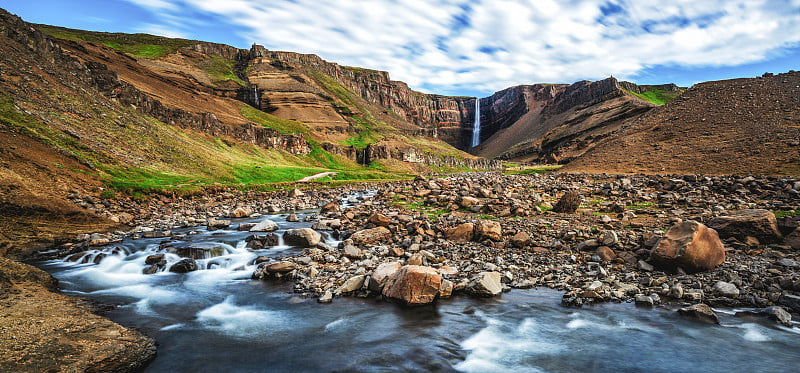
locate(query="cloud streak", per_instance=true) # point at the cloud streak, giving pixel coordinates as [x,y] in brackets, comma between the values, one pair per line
[450,46]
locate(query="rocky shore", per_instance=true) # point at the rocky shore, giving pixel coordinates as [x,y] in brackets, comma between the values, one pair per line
[481,234]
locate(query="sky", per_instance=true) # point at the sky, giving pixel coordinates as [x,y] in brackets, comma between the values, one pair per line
[474,48]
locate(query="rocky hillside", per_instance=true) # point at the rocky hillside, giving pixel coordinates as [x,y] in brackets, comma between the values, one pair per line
[738,126]
[87,115]
[557,123]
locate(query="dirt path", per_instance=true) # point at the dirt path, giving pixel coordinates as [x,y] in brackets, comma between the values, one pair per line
[317,176]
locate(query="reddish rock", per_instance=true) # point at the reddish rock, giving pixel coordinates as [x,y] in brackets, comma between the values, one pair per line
[520,240]
[414,285]
[372,236]
[758,223]
[460,233]
[691,246]
[379,220]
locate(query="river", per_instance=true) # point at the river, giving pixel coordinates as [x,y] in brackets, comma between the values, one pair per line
[218,319]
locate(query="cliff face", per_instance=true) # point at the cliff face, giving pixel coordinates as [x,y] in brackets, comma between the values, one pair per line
[448,118]
[555,123]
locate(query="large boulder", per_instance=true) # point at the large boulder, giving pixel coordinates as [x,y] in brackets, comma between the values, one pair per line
[460,233]
[488,229]
[265,226]
[414,285]
[689,245]
[485,284]
[758,223]
[372,236]
[303,237]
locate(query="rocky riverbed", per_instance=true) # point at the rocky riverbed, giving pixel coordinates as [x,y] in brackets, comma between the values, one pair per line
[480,234]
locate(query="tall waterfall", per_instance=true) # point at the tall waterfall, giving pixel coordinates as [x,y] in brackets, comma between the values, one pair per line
[476,128]
[255,95]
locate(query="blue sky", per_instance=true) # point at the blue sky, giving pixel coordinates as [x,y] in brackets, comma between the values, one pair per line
[475,47]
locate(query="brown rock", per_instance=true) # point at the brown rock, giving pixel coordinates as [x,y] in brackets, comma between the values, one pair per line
[520,240]
[605,253]
[691,246]
[793,240]
[701,312]
[568,203]
[415,260]
[280,267]
[758,223]
[488,229]
[240,213]
[414,285]
[372,236]
[396,251]
[379,220]
[460,233]
[467,202]
[330,207]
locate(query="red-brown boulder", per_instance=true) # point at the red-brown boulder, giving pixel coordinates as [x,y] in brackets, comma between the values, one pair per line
[414,285]
[689,245]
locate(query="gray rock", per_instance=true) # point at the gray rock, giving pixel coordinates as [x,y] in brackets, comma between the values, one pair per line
[215,223]
[352,284]
[326,298]
[644,301]
[265,226]
[485,284]
[726,289]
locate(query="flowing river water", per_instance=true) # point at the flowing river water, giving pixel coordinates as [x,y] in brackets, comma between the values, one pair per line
[218,319]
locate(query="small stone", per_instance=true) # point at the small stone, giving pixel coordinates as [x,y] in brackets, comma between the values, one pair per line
[352,284]
[725,289]
[700,312]
[644,301]
[327,297]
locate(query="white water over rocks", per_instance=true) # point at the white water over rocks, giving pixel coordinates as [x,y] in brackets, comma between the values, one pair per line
[218,319]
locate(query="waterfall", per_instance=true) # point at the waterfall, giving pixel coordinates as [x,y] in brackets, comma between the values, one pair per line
[255,95]
[476,128]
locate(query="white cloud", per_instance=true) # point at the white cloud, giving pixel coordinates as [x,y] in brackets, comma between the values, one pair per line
[489,45]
